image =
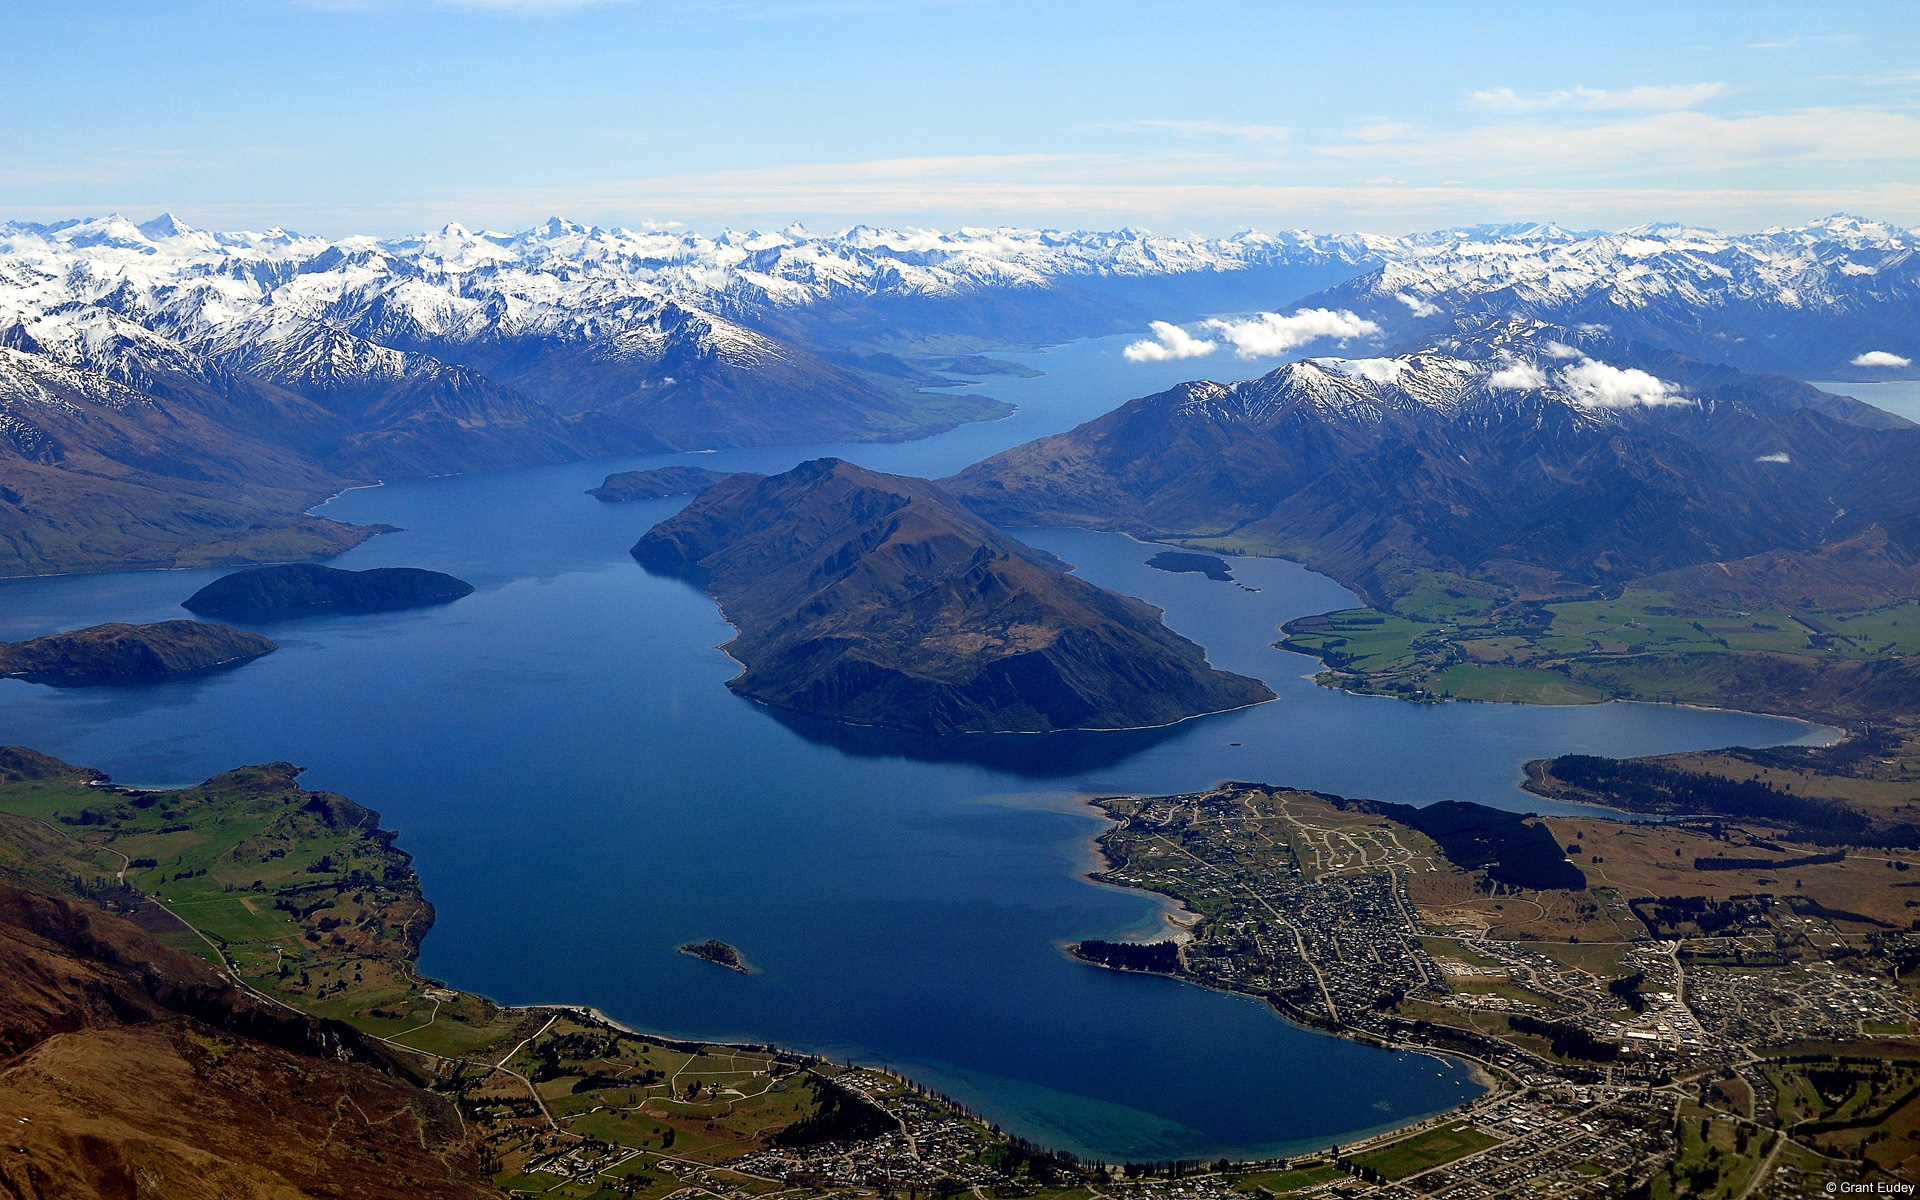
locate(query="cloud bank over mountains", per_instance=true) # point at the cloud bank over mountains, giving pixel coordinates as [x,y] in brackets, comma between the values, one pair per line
[1263,335]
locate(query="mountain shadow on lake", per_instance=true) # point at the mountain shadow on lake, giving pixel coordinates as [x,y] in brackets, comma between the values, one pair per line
[1059,755]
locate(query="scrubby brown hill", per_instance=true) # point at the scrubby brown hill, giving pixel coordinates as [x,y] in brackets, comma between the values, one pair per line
[878,600]
[128,1069]
[656,484]
[121,653]
[298,589]
[1857,572]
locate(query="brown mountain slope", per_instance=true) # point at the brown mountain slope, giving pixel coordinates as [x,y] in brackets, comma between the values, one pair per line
[95,475]
[1866,569]
[128,1069]
[878,600]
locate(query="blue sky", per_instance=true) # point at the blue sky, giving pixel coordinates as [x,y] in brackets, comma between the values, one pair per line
[389,116]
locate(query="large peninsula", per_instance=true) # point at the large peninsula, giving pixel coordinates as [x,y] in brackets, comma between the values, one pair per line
[878,600]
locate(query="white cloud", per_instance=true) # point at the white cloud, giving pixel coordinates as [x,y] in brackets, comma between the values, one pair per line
[1664,98]
[1096,191]
[1679,137]
[1560,350]
[1518,377]
[1417,306]
[1378,370]
[1267,335]
[1601,385]
[1881,358]
[1169,342]
[1789,42]
[1780,456]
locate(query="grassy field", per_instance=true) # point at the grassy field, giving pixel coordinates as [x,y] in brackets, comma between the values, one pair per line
[1606,961]
[1657,860]
[1280,1183]
[1511,685]
[300,891]
[1717,1157]
[1424,1151]
[1446,639]
[1851,1106]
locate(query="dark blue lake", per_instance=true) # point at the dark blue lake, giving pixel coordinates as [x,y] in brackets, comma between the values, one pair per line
[582,795]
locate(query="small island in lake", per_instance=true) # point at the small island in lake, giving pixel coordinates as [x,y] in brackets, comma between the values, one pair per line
[656,484]
[123,653]
[879,600]
[303,589]
[720,954]
[1180,561]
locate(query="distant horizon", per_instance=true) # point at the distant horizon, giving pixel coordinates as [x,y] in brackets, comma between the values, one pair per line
[816,230]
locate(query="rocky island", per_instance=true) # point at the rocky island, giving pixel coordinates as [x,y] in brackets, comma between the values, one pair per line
[1180,562]
[123,653]
[719,953]
[878,600]
[303,589]
[657,484]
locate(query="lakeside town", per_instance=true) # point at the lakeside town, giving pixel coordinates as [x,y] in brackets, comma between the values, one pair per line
[1769,1057]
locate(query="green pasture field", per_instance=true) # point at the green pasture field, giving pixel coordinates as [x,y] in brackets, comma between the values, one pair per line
[1427,1150]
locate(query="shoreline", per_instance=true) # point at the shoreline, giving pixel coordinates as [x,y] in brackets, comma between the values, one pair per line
[1188,930]
[964,733]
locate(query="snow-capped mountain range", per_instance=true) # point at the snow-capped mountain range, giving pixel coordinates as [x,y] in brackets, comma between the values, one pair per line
[366,358]
[1806,301]
[128,300]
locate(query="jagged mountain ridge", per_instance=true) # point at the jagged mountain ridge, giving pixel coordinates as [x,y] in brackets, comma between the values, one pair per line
[616,363]
[648,295]
[1803,301]
[1545,457]
[460,351]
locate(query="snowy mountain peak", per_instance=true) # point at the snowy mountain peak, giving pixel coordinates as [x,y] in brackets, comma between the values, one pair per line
[164,226]
[1522,367]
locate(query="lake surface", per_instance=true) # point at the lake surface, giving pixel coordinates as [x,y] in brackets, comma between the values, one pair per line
[1898,396]
[582,795]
